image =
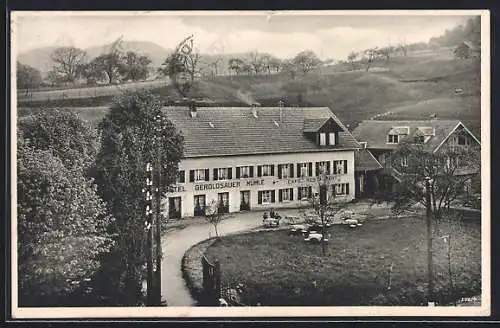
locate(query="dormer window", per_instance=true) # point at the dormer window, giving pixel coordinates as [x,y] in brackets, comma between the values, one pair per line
[322,139]
[331,139]
[392,138]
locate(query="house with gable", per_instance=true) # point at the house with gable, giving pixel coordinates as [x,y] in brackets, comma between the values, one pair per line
[382,138]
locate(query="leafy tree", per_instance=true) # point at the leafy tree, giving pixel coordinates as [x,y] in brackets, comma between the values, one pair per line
[62,228]
[92,72]
[110,64]
[134,132]
[64,133]
[67,61]
[256,62]
[352,59]
[236,65]
[134,67]
[28,77]
[371,55]
[448,170]
[306,61]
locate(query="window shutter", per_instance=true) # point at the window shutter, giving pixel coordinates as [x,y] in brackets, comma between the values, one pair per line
[298,170]
[347,189]
[251,171]
[317,169]
[310,173]
[259,171]
[272,170]
[230,173]
[191,175]
[291,193]
[328,165]
[291,170]
[280,193]
[273,196]
[182,176]
[237,173]
[345,167]
[279,171]
[259,197]
[299,193]
[216,174]
[207,174]
[309,193]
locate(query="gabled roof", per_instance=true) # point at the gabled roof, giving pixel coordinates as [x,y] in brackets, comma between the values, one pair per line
[375,132]
[365,161]
[314,124]
[236,131]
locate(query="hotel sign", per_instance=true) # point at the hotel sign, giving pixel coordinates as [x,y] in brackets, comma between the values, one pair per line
[227,184]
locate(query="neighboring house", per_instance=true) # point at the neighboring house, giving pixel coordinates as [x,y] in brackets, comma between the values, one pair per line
[251,158]
[466,49]
[381,138]
[367,170]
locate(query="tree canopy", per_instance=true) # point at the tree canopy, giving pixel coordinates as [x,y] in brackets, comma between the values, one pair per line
[134,132]
[62,228]
[64,133]
[28,77]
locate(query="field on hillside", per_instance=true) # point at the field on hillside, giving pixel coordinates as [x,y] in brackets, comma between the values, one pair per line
[411,87]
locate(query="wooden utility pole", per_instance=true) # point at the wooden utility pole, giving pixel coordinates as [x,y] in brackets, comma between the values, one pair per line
[158,226]
[149,229]
[430,269]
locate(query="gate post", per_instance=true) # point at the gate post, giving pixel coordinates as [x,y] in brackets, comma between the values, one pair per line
[217,286]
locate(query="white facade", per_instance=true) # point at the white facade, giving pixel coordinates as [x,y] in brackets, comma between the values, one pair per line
[183,194]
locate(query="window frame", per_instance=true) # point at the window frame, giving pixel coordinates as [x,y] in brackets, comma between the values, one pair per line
[395,138]
[242,172]
[268,172]
[265,194]
[330,139]
[199,177]
[285,171]
[322,138]
[288,194]
[222,173]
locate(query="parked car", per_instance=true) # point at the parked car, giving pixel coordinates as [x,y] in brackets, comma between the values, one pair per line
[314,237]
[352,222]
[298,229]
[271,222]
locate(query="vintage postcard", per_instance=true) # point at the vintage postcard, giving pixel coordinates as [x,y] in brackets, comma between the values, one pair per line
[250,164]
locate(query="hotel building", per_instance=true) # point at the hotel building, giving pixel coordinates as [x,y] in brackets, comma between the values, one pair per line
[251,158]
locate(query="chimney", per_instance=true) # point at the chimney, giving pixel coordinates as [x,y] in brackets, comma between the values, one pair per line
[192,109]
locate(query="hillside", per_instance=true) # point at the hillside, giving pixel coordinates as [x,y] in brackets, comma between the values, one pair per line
[411,87]
[40,58]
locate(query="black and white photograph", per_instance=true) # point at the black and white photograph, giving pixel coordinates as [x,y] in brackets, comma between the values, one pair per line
[250,163]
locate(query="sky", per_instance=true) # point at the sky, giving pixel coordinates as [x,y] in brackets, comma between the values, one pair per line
[330,35]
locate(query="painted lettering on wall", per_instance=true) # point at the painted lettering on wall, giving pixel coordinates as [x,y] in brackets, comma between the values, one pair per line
[176,189]
[311,179]
[255,182]
[217,185]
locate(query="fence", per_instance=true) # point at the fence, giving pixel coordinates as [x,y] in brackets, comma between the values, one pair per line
[85,92]
[215,293]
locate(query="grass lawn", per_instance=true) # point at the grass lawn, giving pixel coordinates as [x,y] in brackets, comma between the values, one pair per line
[278,269]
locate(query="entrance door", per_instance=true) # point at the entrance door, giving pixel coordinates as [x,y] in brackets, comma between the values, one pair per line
[224,202]
[199,205]
[174,207]
[245,200]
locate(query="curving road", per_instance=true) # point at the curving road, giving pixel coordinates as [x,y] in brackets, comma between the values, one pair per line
[177,242]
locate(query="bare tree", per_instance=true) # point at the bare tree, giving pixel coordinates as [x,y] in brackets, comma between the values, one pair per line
[67,61]
[325,204]
[371,54]
[256,62]
[213,215]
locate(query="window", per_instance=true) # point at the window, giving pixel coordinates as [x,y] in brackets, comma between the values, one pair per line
[285,171]
[198,175]
[404,161]
[340,167]
[322,139]
[304,193]
[331,138]
[322,168]
[393,138]
[266,197]
[181,176]
[223,173]
[265,170]
[341,189]
[463,140]
[286,195]
[244,172]
[302,169]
